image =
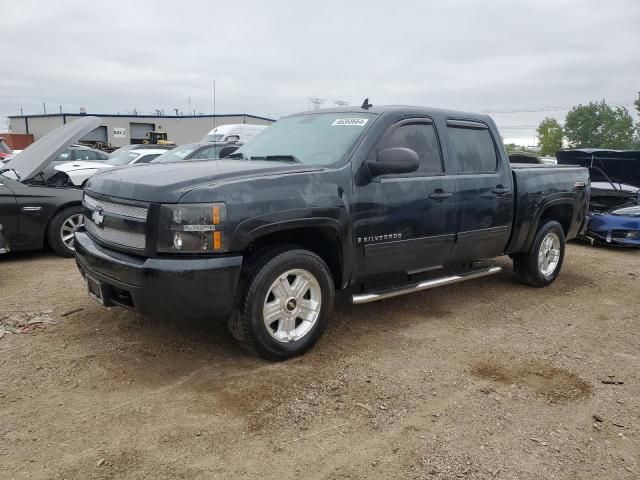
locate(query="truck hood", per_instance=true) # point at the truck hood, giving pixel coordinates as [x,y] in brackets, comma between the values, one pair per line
[169,182]
[35,158]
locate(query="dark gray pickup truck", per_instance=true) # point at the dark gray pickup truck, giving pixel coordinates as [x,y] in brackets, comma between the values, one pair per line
[381,201]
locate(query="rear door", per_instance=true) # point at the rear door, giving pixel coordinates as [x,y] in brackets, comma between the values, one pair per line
[484,189]
[406,223]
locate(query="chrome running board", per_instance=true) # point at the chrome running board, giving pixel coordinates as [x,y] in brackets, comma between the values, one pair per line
[426,285]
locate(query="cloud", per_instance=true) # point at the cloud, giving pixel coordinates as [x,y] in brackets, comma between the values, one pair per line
[268,57]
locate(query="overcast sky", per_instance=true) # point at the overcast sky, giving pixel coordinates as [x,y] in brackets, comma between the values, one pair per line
[268,57]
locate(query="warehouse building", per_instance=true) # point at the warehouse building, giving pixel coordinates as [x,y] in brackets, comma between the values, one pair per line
[120,130]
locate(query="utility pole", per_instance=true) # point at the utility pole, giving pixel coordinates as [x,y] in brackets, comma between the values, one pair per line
[316,102]
[44,108]
[189,109]
[214,104]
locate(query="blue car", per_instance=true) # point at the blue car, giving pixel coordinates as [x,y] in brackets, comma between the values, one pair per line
[614,209]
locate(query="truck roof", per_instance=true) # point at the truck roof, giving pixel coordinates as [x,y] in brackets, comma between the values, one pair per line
[402,109]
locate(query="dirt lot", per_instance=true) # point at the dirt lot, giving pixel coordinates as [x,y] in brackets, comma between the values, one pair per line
[485,379]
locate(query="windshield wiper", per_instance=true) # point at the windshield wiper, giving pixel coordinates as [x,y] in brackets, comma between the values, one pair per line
[278,158]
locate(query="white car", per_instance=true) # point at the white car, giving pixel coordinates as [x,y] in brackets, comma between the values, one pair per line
[79,172]
[235,132]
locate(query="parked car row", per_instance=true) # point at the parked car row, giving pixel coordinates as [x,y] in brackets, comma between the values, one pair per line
[40,189]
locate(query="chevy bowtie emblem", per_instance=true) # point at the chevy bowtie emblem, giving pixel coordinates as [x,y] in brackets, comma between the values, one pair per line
[97,217]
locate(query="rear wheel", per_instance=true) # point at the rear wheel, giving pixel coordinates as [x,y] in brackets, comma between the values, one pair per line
[286,300]
[541,265]
[62,229]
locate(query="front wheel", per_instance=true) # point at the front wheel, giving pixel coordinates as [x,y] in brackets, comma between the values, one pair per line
[62,229]
[541,265]
[286,300]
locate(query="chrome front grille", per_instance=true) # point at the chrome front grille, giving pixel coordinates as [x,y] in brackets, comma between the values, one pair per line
[122,238]
[121,209]
[118,224]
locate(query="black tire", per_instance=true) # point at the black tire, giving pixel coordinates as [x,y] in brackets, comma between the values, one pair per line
[526,266]
[54,230]
[259,273]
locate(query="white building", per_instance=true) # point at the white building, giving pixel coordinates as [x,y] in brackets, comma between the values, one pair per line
[120,130]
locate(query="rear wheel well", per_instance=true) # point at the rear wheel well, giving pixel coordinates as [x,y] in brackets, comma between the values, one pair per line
[563,214]
[323,241]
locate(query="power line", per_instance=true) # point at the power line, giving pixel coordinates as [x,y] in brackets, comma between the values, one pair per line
[554,108]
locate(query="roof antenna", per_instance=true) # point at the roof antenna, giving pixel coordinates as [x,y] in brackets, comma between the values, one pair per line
[366,105]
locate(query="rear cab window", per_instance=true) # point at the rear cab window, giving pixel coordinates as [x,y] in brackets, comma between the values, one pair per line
[420,136]
[472,147]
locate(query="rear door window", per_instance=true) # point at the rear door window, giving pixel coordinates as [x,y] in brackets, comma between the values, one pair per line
[472,149]
[421,138]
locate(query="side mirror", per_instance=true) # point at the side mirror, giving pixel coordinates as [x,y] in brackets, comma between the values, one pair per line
[394,160]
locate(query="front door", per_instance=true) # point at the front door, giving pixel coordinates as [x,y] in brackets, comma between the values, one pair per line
[484,190]
[8,212]
[406,223]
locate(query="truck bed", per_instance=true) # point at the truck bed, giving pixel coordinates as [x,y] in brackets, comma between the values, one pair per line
[537,187]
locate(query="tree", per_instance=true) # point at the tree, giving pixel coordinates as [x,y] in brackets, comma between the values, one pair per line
[550,136]
[599,125]
[637,104]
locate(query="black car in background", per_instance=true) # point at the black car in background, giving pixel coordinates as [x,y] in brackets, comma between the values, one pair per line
[33,212]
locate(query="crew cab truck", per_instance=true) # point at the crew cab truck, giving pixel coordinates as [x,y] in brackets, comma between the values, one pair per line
[380,201]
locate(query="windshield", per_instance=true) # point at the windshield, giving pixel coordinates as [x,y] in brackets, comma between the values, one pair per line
[312,139]
[122,158]
[126,148]
[176,155]
[213,137]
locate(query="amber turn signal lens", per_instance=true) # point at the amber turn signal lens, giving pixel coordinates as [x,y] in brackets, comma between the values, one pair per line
[217,240]
[216,215]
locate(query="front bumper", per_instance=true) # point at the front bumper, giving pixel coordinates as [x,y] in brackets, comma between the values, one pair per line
[168,288]
[613,229]
[4,248]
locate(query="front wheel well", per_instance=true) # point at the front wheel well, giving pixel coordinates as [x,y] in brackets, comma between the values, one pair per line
[323,241]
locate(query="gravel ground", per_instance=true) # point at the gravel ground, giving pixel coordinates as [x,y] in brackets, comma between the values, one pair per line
[485,379]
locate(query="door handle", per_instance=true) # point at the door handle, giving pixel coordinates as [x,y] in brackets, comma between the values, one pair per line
[499,190]
[440,195]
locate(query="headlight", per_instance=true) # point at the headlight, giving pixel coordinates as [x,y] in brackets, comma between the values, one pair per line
[192,228]
[628,211]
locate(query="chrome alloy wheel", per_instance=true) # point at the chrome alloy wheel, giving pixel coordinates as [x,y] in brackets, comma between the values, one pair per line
[292,305]
[549,254]
[69,227]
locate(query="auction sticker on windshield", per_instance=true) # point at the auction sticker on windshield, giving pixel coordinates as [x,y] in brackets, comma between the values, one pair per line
[357,122]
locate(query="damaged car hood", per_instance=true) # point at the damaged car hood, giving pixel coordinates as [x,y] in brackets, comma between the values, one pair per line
[35,158]
[615,166]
